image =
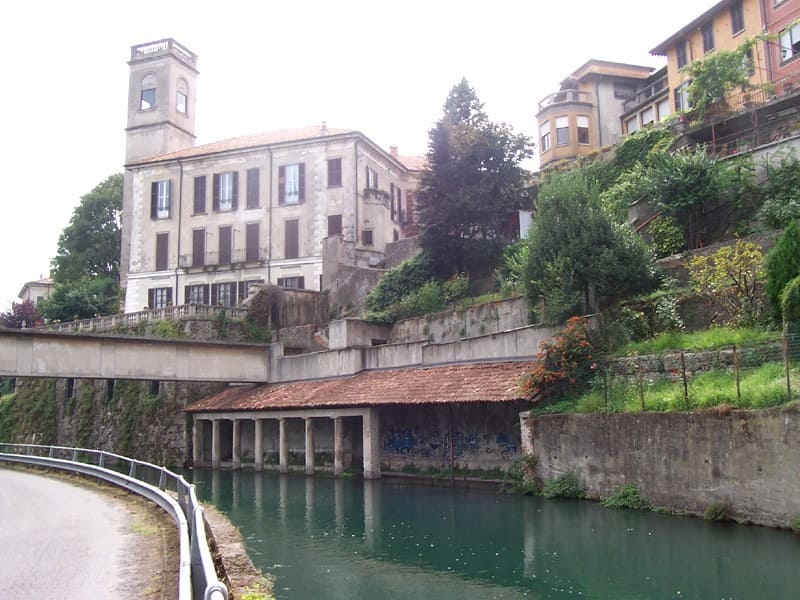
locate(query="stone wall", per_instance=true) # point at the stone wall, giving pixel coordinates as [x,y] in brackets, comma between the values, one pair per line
[684,461]
[140,419]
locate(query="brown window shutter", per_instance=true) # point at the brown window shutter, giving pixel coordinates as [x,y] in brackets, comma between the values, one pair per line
[242,291]
[301,168]
[198,247]
[169,198]
[251,242]
[151,298]
[169,296]
[206,296]
[334,225]
[186,294]
[154,200]
[200,194]
[391,193]
[162,247]
[234,299]
[252,188]
[301,283]
[215,197]
[225,245]
[214,287]
[281,185]
[291,239]
[235,199]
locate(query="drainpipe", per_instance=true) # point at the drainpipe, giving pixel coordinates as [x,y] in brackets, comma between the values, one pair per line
[767,49]
[355,191]
[269,226]
[180,217]
[597,110]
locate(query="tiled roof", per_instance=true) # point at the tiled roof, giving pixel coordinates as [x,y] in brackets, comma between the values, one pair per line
[250,141]
[484,382]
[413,163]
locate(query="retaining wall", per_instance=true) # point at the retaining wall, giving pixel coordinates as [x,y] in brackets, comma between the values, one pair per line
[681,460]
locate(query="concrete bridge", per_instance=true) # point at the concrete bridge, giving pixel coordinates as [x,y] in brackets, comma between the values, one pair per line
[34,353]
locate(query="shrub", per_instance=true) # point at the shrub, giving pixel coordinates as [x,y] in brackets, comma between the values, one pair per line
[261,306]
[781,265]
[566,486]
[397,283]
[795,524]
[733,277]
[790,306]
[456,287]
[666,316]
[667,236]
[782,192]
[564,365]
[718,511]
[519,479]
[627,496]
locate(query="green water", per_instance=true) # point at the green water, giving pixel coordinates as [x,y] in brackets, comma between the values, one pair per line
[350,539]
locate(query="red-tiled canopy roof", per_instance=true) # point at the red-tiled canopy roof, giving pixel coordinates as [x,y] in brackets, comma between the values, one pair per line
[484,382]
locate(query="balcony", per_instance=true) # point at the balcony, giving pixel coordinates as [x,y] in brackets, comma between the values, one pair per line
[565,97]
[645,95]
[237,258]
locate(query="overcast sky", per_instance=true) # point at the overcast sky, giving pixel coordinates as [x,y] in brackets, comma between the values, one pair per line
[382,68]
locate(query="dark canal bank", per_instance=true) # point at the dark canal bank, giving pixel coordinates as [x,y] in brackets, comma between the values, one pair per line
[352,539]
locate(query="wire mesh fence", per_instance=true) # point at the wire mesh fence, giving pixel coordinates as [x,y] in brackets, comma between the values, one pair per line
[753,375]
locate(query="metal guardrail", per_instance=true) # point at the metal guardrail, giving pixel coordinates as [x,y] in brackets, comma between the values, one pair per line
[197,575]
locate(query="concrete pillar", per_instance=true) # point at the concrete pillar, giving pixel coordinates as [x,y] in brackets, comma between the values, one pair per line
[197,442]
[258,444]
[215,442]
[237,444]
[338,445]
[372,449]
[283,446]
[309,446]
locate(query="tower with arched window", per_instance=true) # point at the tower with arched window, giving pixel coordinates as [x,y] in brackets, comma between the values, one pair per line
[161,99]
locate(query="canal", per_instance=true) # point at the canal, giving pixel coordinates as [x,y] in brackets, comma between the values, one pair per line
[352,539]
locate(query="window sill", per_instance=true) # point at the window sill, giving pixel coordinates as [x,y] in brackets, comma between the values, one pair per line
[199,214]
[333,187]
[252,207]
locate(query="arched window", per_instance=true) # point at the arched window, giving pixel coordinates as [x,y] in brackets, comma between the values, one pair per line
[181,99]
[148,97]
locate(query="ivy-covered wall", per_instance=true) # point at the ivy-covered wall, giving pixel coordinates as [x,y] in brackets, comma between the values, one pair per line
[141,419]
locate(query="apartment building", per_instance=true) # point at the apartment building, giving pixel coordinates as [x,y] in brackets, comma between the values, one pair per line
[585,114]
[202,223]
[724,26]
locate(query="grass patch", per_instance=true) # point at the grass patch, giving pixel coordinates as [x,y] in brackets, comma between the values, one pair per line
[697,340]
[718,511]
[761,387]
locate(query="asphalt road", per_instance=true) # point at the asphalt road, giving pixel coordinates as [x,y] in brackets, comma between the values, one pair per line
[60,540]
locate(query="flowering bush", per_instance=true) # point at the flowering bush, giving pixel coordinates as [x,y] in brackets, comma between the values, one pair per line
[564,365]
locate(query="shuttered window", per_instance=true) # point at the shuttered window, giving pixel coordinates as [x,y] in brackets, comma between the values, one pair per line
[196,294]
[292,239]
[198,247]
[200,195]
[251,242]
[225,245]
[334,172]
[160,195]
[226,191]
[253,200]
[224,293]
[159,297]
[291,183]
[334,225]
[293,283]
[162,249]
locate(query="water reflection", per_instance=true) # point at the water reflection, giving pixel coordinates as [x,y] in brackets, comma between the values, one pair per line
[334,538]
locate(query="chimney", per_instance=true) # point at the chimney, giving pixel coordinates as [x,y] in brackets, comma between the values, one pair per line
[393,151]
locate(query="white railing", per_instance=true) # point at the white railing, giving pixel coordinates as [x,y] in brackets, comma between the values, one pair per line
[197,577]
[129,320]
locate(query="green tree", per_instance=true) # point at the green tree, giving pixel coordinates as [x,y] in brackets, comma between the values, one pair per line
[90,245]
[86,265]
[781,191]
[781,265]
[577,254]
[471,185]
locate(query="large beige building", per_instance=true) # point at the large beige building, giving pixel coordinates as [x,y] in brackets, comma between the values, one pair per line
[200,223]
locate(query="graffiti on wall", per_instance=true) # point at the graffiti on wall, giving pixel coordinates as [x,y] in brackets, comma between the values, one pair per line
[414,443]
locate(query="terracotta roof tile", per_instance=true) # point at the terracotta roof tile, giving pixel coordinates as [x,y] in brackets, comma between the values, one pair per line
[413,163]
[484,382]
